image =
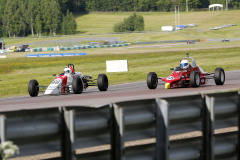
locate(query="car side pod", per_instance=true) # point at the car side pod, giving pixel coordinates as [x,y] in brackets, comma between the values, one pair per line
[167,86]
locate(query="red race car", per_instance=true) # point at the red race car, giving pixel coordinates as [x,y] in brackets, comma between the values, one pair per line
[186,75]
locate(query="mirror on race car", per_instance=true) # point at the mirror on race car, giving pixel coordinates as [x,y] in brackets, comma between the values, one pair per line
[54,75]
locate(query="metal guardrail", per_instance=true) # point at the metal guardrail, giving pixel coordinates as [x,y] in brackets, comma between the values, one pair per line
[34,131]
[177,128]
[174,41]
[87,127]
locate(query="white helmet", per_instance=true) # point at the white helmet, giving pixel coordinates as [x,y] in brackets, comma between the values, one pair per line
[67,70]
[184,64]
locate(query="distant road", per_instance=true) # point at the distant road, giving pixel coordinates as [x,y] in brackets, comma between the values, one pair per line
[116,93]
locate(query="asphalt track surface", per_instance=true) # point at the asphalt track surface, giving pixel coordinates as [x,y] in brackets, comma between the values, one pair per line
[116,93]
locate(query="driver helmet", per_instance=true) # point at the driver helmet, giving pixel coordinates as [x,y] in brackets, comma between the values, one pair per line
[67,70]
[184,64]
[72,69]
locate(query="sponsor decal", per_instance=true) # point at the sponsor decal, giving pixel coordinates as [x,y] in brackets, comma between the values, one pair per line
[56,81]
[51,87]
[170,78]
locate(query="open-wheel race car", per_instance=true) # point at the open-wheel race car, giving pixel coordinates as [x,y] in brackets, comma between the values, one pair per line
[68,82]
[186,75]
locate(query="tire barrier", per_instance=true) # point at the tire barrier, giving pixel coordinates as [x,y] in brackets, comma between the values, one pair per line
[60,48]
[204,127]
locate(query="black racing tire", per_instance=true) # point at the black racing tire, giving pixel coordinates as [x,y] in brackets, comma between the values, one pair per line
[194,79]
[152,80]
[77,85]
[102,82]
[33,88]
[219,76]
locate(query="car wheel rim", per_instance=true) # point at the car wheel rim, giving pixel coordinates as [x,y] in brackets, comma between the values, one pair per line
[105,83]
[222,76]
[197,79]
[154,80]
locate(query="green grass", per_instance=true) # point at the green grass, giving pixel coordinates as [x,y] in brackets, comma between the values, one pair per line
[100,24]
[16,72]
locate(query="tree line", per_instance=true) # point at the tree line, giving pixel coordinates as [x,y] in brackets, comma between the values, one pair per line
[36,18]
[151,5]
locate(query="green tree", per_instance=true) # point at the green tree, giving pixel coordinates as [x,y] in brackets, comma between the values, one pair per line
[22,17]
[38,18]
[67,5]
[8,17]
[31,12]
[55,16]
[139,23]
[205,3]
[38,25]
[2,6]
[235,4]
[14,18]
[163,5]
[69,25]
[46,16]
[133,23]
[194,3]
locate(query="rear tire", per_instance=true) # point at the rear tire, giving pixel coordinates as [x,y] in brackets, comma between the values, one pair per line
[219,76]
[33,88]
[102,82]
[152,80]
[194,79]
[77,85]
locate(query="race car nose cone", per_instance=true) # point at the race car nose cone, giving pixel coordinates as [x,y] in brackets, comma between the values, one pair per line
[167,85]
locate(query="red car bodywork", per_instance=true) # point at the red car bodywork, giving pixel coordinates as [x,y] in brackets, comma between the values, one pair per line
[181,78]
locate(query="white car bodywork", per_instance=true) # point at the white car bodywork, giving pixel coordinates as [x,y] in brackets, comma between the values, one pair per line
[56,86]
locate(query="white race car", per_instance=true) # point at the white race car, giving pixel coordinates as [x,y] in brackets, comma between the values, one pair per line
[68,82]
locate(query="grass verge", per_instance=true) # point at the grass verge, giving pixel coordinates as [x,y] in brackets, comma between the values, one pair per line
[17,71]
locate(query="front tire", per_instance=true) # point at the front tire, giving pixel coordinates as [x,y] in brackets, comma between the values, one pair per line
[77,85]
[219,76]
[194,79]
[33,88]
[102,82]
[152,80]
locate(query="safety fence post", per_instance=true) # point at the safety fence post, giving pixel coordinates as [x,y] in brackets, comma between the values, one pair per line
[162,125]
[118,132]
[238,148]
[208,142]
[68,138]
[2,128]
